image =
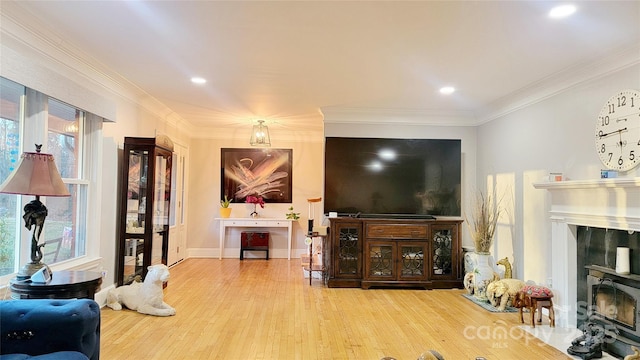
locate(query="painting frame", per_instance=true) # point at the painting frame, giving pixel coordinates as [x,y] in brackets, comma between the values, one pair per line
[258,172]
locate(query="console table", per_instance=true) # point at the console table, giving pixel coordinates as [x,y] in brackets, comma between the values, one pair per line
[254,223]
[383,252]
[63,285]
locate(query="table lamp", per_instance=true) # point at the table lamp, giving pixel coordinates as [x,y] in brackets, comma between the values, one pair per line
[37,175]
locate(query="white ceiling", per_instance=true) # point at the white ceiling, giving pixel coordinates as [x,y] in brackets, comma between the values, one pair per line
[292,61]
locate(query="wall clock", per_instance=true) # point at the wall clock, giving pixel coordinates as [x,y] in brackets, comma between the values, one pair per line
[618,131]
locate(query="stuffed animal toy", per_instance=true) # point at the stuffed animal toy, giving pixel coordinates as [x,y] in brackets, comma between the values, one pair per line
[635,355]
[503,292]
[468,282]
[146,297]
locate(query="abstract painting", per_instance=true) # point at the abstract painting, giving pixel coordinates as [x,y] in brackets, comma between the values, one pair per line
[257,172]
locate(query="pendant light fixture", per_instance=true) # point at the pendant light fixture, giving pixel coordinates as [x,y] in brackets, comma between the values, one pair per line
[260,135]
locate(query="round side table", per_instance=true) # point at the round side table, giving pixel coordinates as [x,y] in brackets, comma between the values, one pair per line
[63,285]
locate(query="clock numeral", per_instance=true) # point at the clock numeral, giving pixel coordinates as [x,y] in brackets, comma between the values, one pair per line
[610,157]
[633,104]
[622,101]
[612,108]
[603,149]
[605,121]
[632,156]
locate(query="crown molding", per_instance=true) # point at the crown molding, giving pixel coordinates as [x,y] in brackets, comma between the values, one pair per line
[352,115]
[67,60]
[561,81]
[536,92]
[276,133]
[70,60]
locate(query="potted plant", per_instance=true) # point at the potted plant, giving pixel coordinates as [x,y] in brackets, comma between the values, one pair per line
[483,227]
[292,215]
[225,210]
[483,224]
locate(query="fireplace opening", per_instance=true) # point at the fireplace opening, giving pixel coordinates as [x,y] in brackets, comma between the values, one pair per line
[605,297]
[597,246]
[614,302]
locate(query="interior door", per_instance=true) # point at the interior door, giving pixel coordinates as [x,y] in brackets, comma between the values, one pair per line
[177,225]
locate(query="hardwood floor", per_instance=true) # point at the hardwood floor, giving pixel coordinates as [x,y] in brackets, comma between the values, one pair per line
[258,309]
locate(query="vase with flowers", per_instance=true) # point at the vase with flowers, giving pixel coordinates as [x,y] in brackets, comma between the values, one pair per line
[483,226]
[255,200]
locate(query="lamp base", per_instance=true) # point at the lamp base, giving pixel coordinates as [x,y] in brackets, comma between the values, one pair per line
[29,269]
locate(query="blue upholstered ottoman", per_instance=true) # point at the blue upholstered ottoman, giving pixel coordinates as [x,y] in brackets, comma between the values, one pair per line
[49,329]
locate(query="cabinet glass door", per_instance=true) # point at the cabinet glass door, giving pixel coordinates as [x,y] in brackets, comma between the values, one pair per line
[136,191]
[441,251]
[161,196]
[133,260]
[380,261]
[348,250]
[412,260]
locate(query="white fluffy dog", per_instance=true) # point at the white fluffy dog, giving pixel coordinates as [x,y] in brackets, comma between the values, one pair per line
[503,292]
[145,297]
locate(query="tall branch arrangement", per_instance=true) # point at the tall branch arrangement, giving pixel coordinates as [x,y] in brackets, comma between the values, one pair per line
[483,225]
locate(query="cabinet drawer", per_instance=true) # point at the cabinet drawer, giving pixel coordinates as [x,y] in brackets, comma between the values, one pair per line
[396,231]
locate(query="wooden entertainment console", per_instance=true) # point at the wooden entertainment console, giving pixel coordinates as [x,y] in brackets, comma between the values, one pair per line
[382,252]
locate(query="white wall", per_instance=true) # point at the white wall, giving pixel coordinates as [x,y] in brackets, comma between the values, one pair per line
[518,149]
[204,191]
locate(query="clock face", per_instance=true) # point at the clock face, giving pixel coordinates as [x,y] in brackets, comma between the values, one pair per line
[618,131]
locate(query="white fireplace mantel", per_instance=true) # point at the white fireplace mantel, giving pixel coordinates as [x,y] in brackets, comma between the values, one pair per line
[604,203]
[589,184]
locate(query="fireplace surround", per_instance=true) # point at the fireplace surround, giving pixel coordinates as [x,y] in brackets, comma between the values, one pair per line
[601,203]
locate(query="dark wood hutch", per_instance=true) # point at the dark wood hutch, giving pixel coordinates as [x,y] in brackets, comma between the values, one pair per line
[145,195]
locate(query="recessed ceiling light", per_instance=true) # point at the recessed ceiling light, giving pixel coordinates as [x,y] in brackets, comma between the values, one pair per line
[562,11]
[447,90]
[198,80]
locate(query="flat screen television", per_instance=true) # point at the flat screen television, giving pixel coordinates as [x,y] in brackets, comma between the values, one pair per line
[376,177]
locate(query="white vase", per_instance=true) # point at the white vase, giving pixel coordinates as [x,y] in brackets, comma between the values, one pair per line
[483,275]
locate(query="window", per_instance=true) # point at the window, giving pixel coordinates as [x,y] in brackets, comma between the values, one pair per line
[11,95]
[67,132]
[64,239]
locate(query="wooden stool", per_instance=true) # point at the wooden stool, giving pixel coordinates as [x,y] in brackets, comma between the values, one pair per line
[535,298]
[537,304]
